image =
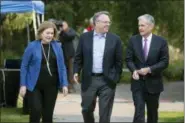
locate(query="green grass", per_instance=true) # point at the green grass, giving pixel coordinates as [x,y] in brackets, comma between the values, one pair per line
[176,117]
[14,114]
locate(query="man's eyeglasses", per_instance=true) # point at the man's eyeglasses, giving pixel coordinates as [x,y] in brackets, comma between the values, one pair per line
[105,22]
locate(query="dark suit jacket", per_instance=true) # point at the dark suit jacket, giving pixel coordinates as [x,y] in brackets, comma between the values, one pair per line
[112,60]
[158,60]
[67,43]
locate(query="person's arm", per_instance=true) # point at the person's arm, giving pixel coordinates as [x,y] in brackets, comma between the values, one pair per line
[69,34]
[24,64]
[129,56]
[119,56]
[64,82]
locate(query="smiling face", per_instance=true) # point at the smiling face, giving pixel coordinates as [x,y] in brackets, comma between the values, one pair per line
[47,35]
[47,32]
[145,28]
[103,23]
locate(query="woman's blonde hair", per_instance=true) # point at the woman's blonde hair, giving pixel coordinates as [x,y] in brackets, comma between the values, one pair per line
[45,25]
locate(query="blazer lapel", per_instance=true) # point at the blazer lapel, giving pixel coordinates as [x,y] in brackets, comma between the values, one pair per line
[90,40]
[38,51]
[90,46]
[151,46]
[139,49]
[107,44]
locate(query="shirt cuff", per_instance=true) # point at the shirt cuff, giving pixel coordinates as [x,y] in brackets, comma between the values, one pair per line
[149,70]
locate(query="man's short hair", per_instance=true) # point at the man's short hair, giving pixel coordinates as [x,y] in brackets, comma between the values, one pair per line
[96,15]
[148,17]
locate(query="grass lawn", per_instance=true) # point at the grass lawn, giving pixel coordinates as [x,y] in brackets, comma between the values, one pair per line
[13,114]
[176,117]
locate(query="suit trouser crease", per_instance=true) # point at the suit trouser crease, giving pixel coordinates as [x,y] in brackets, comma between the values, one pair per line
[98,88]
[140,97]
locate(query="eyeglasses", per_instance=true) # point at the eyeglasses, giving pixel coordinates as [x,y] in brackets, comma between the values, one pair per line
[105,22]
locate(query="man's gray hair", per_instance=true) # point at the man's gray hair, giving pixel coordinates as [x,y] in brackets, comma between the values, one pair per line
[148,17]
[96,15]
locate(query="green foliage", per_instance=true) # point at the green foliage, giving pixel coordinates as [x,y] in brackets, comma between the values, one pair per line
[175,71]
[126,77]
[8,54]
[17,21]
[169,18]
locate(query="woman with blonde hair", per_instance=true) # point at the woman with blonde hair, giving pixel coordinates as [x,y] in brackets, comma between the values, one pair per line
[42,73]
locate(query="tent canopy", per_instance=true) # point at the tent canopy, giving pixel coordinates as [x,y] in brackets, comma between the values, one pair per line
[22,6]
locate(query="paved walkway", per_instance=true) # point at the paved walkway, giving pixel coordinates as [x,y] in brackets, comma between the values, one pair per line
[68,108]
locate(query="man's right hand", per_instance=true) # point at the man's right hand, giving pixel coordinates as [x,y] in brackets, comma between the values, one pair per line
[135,75]
[22,91]
[76,78]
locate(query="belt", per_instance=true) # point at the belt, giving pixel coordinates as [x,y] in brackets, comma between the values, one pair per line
[97,74]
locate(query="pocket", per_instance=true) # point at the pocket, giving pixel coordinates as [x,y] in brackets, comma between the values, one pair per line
[113,76]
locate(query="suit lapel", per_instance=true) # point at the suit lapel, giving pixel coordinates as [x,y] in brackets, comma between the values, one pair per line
[90,40]
[107,44]
[139,49]
[38,51]
[151,46]
[90,46]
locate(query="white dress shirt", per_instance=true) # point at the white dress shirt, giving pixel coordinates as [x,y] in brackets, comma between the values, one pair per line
[149,39]
[98,52]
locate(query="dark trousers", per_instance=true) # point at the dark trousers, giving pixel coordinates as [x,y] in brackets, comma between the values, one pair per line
[98,88]
[26,107]
[140,97]
[42,103]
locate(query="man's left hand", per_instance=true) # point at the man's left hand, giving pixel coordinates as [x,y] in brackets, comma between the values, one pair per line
[144,71]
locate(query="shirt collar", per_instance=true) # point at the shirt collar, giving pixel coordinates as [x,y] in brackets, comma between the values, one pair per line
[99,34]
[149,38]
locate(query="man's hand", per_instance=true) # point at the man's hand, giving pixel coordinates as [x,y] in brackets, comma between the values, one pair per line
[135,75]
[144,71]
[22,91]
[76,78]
[65,90]
[65,26]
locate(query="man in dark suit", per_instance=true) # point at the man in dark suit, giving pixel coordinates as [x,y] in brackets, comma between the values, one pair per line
[99,56]
[147,56]
[66,36]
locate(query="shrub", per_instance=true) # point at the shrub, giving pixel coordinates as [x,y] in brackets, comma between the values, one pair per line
[175,71]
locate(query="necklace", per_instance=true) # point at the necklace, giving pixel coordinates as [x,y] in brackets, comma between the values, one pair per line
[47,58]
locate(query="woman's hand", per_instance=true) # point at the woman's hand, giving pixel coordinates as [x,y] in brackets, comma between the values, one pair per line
[22,91]
[65,90]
